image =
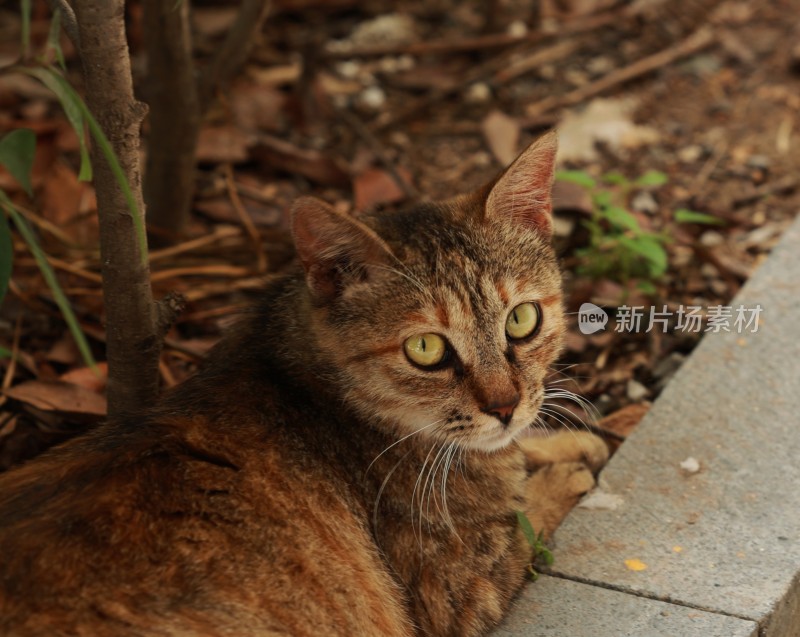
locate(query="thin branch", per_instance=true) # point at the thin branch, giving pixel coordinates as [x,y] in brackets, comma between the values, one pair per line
[68,21]
[234,50]
[699,40]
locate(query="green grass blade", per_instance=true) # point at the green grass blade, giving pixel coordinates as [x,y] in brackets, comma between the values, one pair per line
[68,96]
[17,151]
[71,104]
[6,256]
[25,11]
[578,177]
[527,529]
[54,39]
[51,280]
[684,215]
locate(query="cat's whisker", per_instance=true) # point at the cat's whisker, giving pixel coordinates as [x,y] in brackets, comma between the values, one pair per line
[428,489]
[380,493]
[414,494]
[397,442]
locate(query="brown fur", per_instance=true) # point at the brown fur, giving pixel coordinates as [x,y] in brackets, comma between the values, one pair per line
[310,480]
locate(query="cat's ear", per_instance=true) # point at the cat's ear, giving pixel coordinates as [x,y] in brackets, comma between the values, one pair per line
[524,191]
[333,247]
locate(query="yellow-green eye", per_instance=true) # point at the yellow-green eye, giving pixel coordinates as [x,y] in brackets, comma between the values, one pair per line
[425,349]
[523,320]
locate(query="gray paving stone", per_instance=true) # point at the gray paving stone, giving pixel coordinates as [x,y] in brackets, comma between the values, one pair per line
[554,607]
[725,539]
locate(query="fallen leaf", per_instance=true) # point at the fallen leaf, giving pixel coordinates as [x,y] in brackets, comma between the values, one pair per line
[88,378]
[257,107]
[599,500]
[222,144]
[635,565]
[502,136]
[313,164]
[607,121]
[60,396]
[375,186]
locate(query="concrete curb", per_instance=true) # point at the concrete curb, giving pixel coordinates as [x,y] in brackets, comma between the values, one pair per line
[720,546]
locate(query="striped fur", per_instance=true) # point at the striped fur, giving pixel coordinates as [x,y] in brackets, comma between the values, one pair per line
[310,480]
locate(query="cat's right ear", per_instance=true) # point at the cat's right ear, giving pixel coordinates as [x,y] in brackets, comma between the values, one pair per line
[333,247]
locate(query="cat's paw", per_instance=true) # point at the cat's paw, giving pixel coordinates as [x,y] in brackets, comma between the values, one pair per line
[565,447]
[553,490]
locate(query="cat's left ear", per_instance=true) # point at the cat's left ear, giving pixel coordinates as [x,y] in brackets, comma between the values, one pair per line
[524,191]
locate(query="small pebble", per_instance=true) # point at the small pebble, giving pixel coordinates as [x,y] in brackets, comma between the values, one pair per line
[636,391]
[478,93]
[709,270]
[759,162]
[644,202]
[711,238]
[517,29]
[690,154]
[372,98]
[690,465]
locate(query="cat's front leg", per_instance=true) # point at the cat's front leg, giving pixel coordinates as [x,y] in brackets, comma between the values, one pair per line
[563,470]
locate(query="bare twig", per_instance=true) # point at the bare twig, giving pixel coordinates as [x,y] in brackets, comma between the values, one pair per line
[247,221]
[380,153]
[234,50]
[68,21]
[699,40]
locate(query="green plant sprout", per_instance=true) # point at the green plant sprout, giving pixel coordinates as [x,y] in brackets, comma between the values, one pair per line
[536,542]
[619,248]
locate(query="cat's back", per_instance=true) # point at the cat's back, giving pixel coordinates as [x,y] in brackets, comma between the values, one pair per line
[175,529]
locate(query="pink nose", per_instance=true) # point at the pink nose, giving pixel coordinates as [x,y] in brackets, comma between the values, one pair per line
[503,410]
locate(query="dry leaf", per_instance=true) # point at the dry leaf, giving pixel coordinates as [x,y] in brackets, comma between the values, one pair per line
[88,378]
[502,136]
[60,396]
[313,164]
[222,144]
[603,120]
[375,186]
[257,107]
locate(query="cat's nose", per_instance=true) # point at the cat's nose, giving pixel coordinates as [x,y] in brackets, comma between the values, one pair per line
[502,409]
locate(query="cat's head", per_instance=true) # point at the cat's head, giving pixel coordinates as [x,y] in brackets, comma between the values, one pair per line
[444,318]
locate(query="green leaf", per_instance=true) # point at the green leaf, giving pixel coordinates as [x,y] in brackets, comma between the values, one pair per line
[6,256]
[684,215]
[647,287]
[67,95]
[622,218]
[71,103]
[615,178]
[651,250]
[17,150]
[602,199]
[652,178]
[578,177]
[527,528]
[50,278]
[54,39]
[6,353]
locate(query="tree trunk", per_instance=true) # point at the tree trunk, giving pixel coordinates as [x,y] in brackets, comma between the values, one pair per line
[174,117]
[133,343]
[178,100]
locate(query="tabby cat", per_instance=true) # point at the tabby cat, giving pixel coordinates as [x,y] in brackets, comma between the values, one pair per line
[351,459]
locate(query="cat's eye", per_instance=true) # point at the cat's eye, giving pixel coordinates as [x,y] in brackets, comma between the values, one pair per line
[523,320]
[426,350]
